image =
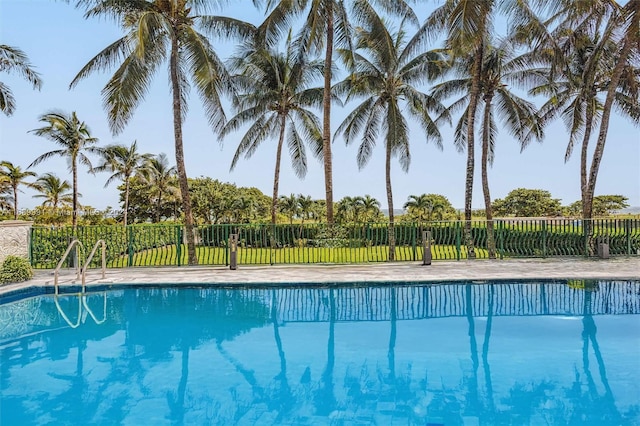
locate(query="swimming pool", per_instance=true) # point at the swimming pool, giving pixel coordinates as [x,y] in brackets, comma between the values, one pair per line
[490,353]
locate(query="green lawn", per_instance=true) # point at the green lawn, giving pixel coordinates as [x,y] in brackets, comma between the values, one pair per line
[289,255]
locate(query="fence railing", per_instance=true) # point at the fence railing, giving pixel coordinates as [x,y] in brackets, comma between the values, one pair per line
[165,245]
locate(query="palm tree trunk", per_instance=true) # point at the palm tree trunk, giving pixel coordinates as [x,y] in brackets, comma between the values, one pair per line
[74,207]
[326,116]
[471,116]
[15,201]
[584,157]
[158,206]
[491,242]
[126,199]
[177,130]
[276,177]
[391,230]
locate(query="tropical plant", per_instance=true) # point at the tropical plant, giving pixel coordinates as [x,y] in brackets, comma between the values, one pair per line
[74,136]
[15,60]
[428,207]
[289,206]
[579,60]
[161,179]
[157,30]
[466,23]
[387,73]
[274,92]
[627,21]
[122,162]
[14,177]
[501,70]
[613,51]
[370,208]
[54,191]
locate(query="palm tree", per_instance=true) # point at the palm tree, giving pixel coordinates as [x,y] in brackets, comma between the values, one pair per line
[160,178]
[74,136]
[5,189]
[500,69]
[370,208]
[627,20]
[384,79]
[156,30]
[325,20]
[123,162]
[54,191]
[289,206]
[275,92]
[14,177]
[15,60]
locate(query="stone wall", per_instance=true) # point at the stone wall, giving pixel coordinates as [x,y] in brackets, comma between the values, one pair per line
[14,238]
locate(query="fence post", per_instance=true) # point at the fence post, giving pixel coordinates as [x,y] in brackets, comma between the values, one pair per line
[426,247]
[179,244]
[413,240]
[129,229]
[500,238]
[544,237]
[627,231]
[458,240]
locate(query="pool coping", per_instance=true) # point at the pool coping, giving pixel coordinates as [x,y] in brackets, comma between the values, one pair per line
[327,275]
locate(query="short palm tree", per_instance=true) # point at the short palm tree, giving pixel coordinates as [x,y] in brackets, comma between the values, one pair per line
[370,208]
[14,177]
[14,60]
[74,136]
[289,206]
[157,31]
[274,96]
[386,76]
[122,162]
[54,191]
[161,179]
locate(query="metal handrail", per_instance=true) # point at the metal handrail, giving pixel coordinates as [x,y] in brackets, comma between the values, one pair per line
[64,316]
[90,258]
[72,244]
[90,311]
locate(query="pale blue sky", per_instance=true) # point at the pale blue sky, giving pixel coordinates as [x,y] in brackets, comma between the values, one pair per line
[59,41]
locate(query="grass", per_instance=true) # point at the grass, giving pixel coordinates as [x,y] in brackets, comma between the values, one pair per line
[167,255]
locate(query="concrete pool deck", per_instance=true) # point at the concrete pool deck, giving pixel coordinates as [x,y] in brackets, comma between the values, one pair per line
[576,268]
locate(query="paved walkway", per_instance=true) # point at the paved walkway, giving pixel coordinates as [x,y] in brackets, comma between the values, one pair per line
[619,268]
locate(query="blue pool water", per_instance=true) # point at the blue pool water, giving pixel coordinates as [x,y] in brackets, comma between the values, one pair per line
[519,353]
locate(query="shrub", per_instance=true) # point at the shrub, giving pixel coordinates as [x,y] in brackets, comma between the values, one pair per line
[15,269]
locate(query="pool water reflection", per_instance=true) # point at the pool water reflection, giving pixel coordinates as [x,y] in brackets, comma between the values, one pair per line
[558,353]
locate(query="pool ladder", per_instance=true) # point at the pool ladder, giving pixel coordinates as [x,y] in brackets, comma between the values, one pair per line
[81,274]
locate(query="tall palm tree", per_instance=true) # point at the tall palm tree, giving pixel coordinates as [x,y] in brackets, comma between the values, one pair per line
[467,24]
[53,190]
[325,20]
[74,136]
[15,60]
[501,69]
[387,74]
[15,177]
[274,92]
[157,30]
[160,178]
[123,162]
[627,20]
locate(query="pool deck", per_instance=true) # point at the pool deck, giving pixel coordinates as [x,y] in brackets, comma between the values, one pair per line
[440,271]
